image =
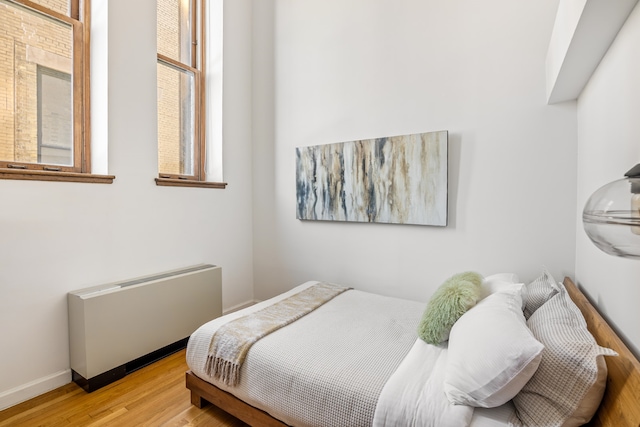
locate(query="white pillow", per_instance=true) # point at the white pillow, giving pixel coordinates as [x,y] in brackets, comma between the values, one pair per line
[496,282]
[492,354]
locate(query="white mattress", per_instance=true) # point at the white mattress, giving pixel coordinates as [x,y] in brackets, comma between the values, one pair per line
[331,366]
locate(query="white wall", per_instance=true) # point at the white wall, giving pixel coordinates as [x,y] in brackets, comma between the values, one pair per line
[369,68]
[59,237]
[608,146]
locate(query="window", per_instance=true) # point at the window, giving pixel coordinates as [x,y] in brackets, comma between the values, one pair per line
[181,103]
[44,106]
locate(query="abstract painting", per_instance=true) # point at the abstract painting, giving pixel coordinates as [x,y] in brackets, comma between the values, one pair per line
[399,179]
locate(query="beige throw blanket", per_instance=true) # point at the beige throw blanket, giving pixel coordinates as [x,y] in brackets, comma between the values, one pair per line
[231,342]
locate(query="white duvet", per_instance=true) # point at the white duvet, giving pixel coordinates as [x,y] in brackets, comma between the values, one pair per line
[355,361]
[414,395]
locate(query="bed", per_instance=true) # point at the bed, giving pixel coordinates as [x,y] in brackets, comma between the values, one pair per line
[368,369]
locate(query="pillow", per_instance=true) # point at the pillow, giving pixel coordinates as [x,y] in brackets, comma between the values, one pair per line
[568,386]
[496,282]
[455,296]
[539,291]
[492,354]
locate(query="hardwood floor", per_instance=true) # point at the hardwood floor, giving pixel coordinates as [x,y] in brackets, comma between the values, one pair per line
[152,396]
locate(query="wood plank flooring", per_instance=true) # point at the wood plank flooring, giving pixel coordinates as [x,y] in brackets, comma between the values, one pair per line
[152,396]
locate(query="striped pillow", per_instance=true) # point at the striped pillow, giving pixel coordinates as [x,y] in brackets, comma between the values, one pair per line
[568,386]
[538,292]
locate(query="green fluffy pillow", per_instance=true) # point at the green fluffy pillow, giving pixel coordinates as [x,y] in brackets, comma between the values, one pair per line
[452,299]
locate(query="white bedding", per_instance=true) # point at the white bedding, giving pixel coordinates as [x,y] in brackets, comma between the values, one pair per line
[414,395]
[317,372]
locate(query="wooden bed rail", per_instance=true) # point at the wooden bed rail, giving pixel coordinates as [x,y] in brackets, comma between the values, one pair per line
[202,393]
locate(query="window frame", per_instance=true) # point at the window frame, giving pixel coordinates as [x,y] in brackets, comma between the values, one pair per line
[197,68]
[79,19]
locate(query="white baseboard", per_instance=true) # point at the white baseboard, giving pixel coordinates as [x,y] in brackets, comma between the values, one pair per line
[34,388]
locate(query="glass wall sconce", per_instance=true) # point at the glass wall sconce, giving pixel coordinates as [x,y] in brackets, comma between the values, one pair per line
[611,216]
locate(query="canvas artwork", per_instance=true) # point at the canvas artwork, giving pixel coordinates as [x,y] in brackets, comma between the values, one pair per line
[400,180]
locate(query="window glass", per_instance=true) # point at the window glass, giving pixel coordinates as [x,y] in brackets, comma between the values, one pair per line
[60,6]
[176,120]
[55,115]
[36,101]
[175,30]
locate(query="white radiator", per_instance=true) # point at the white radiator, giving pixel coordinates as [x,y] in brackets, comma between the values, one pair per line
[118,327]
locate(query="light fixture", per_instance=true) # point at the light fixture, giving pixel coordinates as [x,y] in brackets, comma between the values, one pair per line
[611,216]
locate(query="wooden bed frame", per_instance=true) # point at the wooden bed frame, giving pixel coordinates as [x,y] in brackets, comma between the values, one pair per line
[620,406]
[621,402]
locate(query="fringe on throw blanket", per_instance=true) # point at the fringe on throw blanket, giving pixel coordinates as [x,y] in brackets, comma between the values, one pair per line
[224,370]
[231,342]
